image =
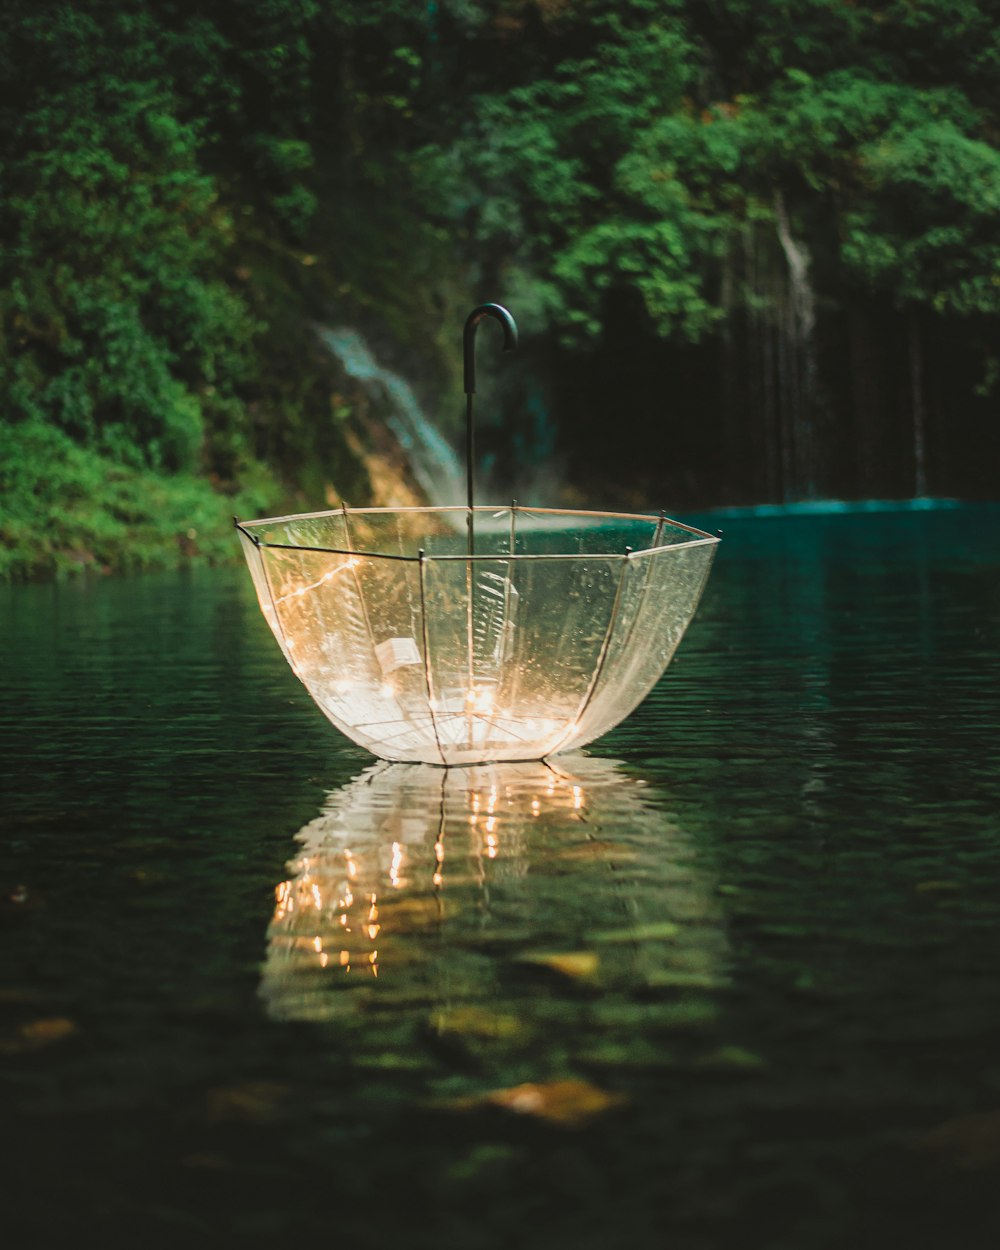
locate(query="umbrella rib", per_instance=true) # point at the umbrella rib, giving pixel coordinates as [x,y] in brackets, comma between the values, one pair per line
[502,723]
[274,608]
[602,658]
[529,556]
[392,720]
[408,728]
[337,551]
[645,586]
[340,722]
[427,657]
[357,584]
[503,728]
[371,638]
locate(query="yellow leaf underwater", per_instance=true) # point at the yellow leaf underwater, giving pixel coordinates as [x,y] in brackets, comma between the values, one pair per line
[36,1034]
[579,965]
[568,1104]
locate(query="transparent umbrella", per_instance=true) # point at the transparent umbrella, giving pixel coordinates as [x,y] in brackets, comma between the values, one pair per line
[534,631]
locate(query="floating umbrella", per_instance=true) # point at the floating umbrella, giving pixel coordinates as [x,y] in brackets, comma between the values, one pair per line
[536,631]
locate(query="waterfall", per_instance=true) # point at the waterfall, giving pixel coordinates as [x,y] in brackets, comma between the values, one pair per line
[759,371]
[781,363]
[919,414]
[798,372]
[431,457]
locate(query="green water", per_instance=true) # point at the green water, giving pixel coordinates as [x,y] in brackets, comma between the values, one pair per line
[744,953]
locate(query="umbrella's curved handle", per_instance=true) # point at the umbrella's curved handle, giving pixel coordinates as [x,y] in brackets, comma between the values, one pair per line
[469,347]
[501,314]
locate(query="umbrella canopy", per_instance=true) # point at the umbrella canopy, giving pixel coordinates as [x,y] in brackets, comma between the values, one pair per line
[545,637]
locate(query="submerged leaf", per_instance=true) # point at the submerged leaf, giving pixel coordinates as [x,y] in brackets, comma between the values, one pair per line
[51,1030]
[567,1103]
[578,965]
[36,1034]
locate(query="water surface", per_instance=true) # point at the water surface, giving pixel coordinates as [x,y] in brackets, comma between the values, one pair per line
[730,978]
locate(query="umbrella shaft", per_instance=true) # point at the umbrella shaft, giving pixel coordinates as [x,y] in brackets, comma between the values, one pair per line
[470,476]
[470,472]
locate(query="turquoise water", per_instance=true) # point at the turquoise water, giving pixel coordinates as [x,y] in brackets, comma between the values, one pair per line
[730,978]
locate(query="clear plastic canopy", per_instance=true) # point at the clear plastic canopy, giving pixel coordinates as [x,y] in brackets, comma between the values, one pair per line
[548,636]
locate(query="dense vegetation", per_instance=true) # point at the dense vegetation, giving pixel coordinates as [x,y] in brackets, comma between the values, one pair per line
[157,367]
[693,190]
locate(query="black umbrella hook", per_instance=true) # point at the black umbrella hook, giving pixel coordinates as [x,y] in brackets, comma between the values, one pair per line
[499,313]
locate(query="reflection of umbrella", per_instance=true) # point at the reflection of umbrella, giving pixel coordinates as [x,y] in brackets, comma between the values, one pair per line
[419,886]
[538,633]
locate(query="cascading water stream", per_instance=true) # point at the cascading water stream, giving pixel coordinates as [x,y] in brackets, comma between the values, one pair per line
[798,371]
[919,413]
[432,458]
[780,357]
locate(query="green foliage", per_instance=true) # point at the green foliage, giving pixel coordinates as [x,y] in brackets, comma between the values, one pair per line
[184,186]
[143,150]
[914,184]
[639,163]
[541,175]
[119,327]
[927,229]
[65,508]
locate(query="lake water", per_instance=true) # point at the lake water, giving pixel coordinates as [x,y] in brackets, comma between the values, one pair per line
[729,979]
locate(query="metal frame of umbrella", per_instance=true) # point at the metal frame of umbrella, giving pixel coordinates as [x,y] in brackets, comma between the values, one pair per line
[540,632]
